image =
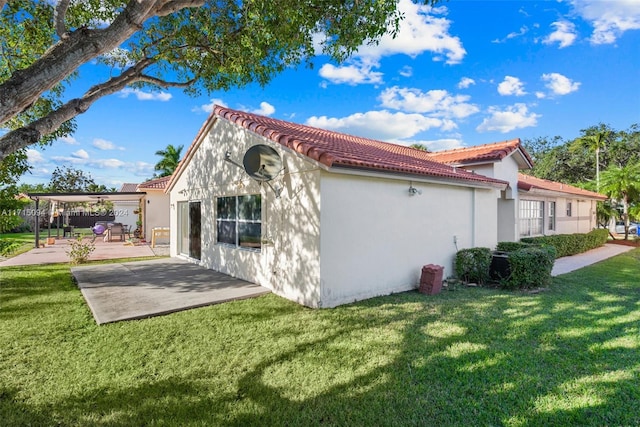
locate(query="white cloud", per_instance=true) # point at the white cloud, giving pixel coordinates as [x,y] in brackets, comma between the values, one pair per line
[265,109]
[80,154]
[465,82]
[420,31]
[381,125]
[565,34]
[511,86]
[439,103]
[541,95]
[521,32]
[610,19]
[356,73]
[143,169]
[559,84]
[106,163]
[516,116]
[208,108]
[68,140]
[145,96]
[433,144]
[406,71]
[103,144]
[34,156]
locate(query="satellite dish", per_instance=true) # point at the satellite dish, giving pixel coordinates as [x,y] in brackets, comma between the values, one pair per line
[262,163]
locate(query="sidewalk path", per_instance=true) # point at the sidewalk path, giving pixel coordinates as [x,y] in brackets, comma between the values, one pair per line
[570,263]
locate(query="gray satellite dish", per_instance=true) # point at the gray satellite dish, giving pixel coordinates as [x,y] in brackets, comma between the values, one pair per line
[262,163]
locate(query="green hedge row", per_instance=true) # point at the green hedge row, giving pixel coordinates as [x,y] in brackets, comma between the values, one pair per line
[472,265]
[530,267]
[570,244]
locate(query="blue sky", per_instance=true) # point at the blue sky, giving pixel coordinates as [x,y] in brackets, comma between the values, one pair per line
[460,74]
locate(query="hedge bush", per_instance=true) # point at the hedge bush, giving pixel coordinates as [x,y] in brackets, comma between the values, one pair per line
[570,244]
[472,265]
[530,267]
[512,246]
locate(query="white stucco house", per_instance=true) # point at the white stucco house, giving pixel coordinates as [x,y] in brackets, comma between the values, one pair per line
[153,207]
[531,206]
[346,218]
[356,217]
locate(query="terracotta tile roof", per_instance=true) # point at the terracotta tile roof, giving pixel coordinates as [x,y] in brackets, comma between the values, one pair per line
[528,183]
[339,150]
[155,184]
[128,187]
[481,153]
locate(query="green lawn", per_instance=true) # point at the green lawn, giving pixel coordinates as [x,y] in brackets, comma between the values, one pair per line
[473,356]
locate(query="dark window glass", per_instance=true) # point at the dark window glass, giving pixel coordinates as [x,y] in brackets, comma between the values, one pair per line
[239,221]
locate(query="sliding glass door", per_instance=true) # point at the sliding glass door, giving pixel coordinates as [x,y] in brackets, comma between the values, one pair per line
[189,229]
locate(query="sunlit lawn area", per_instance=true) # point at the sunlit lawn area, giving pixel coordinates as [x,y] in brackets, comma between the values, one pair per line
[470,356]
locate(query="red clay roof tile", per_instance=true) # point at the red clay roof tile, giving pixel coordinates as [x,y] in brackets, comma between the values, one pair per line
[155,184]
[335,149]
[527,182]
[488,152]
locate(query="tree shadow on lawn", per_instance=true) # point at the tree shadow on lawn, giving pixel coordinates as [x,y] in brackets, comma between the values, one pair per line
[471,357]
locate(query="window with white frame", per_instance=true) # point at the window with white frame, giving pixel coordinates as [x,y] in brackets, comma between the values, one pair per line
[239,221]
[569,208]
[552,216]
[531,218]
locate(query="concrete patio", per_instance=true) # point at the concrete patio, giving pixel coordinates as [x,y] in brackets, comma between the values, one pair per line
[56,253]
[140,289]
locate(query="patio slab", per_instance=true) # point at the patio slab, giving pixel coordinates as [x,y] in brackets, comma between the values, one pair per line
[56,253]
[141,289]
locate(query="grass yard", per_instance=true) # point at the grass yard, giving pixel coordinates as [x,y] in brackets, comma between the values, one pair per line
[24,242]
[473,356]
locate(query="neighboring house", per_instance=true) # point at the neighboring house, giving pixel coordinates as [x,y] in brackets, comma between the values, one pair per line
[155,213]
[154,206]
[124,210]
[538,207]
[548,207]
[356,217]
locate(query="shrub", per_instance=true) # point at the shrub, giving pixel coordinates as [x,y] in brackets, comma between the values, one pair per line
[80,250]
[511,246]
[7,247]
[530,267]
[472,265]
[571,244]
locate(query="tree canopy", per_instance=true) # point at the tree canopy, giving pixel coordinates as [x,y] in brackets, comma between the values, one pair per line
[193,44]
[170,157]
[601,151]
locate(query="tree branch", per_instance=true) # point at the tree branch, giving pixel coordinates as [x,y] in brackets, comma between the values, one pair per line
[59,15]
[176,5]
[32,133]
[24,87]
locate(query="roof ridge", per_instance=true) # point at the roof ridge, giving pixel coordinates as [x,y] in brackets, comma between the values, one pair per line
[478,147]
[337,149]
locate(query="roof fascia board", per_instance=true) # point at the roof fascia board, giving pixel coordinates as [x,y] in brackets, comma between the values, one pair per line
[551,193]
[416,178]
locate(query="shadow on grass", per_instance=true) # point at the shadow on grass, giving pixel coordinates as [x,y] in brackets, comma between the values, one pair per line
[471,357]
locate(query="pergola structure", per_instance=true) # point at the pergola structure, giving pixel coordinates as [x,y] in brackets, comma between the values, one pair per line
[79,198]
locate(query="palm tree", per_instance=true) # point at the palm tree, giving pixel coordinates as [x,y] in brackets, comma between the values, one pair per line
[170,159]
[622,184]
[594,142]
[419,146]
